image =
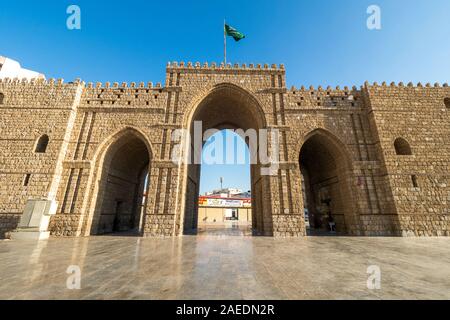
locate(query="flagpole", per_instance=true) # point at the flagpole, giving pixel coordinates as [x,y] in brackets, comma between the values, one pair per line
[224,43]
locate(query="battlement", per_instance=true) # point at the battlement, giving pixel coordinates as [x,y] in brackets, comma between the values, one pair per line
[402,85]
[197,66]
[124,85]
[307,98]
[89,85]
[338,89]
[155,95]
[39,93]
[320,89]
[39,81]
[124,95]
[347,97]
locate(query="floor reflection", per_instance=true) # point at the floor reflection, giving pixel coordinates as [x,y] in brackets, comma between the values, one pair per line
[229,229]
[226,264]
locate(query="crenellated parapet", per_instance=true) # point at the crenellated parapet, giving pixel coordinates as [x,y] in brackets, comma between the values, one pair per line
[39,93]
[346,97]
[57,93]
[17,91]
[401,97]
[123,85]
[224,68]
[38,82]
[402,85]
[307,98]
[23,86]
[124,94]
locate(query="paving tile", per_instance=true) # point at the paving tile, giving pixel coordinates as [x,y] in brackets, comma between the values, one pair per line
[226,267]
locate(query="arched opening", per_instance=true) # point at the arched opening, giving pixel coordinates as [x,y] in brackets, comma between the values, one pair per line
[326,193]
[225,195]
[227,107]
[41,145]
[402,147]
[123,185]
[2,97]
[447,103]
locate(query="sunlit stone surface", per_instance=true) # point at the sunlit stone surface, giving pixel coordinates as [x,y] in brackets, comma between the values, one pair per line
[226,266]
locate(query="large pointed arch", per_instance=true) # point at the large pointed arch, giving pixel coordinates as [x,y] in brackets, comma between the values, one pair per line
[225,106]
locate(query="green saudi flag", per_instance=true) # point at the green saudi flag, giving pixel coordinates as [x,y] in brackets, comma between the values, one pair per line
[232,32]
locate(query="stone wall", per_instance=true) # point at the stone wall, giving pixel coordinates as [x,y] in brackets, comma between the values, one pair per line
[355,126]
[419,115]
[30,110]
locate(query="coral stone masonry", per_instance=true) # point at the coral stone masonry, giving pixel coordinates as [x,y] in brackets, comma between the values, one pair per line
[376,157]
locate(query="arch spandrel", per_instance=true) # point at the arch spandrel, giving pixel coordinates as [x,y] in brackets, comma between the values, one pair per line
[235,93]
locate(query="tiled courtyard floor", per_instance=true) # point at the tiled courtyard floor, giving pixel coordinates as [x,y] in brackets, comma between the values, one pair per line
[226,267]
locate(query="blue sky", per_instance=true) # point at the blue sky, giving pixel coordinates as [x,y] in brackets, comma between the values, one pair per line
[320,42]
[225,146]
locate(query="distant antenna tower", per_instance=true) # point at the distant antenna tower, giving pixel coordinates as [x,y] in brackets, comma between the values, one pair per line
[221,183]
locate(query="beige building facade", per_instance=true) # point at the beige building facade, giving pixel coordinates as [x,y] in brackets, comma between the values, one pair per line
[376,158]
[217,215]
[219,210]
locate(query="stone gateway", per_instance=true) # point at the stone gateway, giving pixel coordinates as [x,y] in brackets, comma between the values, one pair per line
[378,157]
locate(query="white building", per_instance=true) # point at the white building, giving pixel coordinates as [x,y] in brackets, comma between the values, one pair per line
[229,193]
[11,69]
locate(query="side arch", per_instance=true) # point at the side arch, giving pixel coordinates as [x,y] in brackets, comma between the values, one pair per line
[102,161]
[327,183]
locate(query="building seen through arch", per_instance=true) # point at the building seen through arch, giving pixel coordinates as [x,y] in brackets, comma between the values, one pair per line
[227,106]
[221,209]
